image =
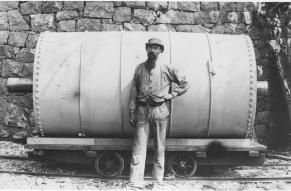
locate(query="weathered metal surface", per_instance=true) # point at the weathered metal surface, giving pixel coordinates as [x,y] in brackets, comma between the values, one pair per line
[82,82]
[23,85]
[126,144]
[57,83]
[100,84]
[190,113]
[234,86]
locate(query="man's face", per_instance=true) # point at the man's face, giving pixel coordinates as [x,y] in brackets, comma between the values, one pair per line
[153,51]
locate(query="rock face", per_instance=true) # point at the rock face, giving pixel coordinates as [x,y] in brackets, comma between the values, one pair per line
[111,27]
[135,4]
[66,26]
[227,6]
[66,15]
[11,68]
[51,6]
[31,40]
[71,5]
[262,117]
[43,22]
[88,25]
[4,37]
[16,21]
[144,16]
[192,28]
[162,28]
[157,5]
[133,27]
[4,21]
[122,14]
[246,17]
[207,6]
[8,5]
[188,6]
[17,39]
[25,55]
[15,111]
[6,51]
[233,17]
[176,17]
[30,8]
[99,9]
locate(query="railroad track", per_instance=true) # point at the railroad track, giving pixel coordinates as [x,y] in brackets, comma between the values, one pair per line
[14,157]
[195,178]
[124,178]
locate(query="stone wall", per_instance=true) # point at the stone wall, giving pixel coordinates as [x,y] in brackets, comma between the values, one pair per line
[22,22]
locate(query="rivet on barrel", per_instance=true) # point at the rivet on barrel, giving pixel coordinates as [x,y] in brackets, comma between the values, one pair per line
[251,81]
[37,68]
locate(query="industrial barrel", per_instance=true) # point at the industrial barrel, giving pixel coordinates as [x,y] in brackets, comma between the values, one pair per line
[81,83]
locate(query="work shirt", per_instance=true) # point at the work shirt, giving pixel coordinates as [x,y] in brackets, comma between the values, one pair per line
[152,85]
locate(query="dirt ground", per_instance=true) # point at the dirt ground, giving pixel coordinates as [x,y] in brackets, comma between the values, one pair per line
[13,181]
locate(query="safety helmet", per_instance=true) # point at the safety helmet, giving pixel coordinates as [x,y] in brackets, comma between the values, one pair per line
[155,41]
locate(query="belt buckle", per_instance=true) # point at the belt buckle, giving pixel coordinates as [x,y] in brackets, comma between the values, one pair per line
[143,104]
[155,104]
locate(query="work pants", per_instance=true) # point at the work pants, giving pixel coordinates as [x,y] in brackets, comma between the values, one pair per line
[139,149]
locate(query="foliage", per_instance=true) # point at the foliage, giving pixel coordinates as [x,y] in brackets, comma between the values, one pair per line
[277,7]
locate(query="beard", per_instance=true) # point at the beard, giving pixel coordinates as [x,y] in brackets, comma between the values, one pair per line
[151,62]
[151,56]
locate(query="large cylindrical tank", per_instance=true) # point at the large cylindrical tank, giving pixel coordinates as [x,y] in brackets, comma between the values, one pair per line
[81,83]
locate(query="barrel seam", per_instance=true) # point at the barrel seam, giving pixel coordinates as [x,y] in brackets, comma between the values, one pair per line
[252,89]
[36,84]
[82,134]
[210,68]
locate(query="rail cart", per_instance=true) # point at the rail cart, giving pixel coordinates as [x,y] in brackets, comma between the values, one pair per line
[81,85]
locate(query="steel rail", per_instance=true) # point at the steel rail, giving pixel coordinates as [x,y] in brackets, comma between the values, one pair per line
[15,157]
[171,179]
[167,179]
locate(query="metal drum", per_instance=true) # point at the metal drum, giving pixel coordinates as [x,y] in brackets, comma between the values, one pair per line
[81,83]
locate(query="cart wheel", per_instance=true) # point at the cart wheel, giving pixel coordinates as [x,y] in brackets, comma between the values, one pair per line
[109,164]
[182,165]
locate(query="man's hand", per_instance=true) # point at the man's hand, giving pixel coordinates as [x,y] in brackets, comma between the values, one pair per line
[168,97]
[132,119]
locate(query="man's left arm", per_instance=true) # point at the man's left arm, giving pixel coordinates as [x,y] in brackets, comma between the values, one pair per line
[182,84]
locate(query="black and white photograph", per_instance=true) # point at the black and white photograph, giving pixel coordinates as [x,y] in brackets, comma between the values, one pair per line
[145,95]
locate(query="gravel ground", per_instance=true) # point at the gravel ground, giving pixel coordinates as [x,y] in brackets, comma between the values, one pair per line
[10,181]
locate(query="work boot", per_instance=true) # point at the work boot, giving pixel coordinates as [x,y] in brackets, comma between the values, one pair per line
[158,186]
[133,186]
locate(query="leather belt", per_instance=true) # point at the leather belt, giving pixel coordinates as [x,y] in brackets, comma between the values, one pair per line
[150,103]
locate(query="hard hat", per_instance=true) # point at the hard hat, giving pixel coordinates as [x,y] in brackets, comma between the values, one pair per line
[155,41]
